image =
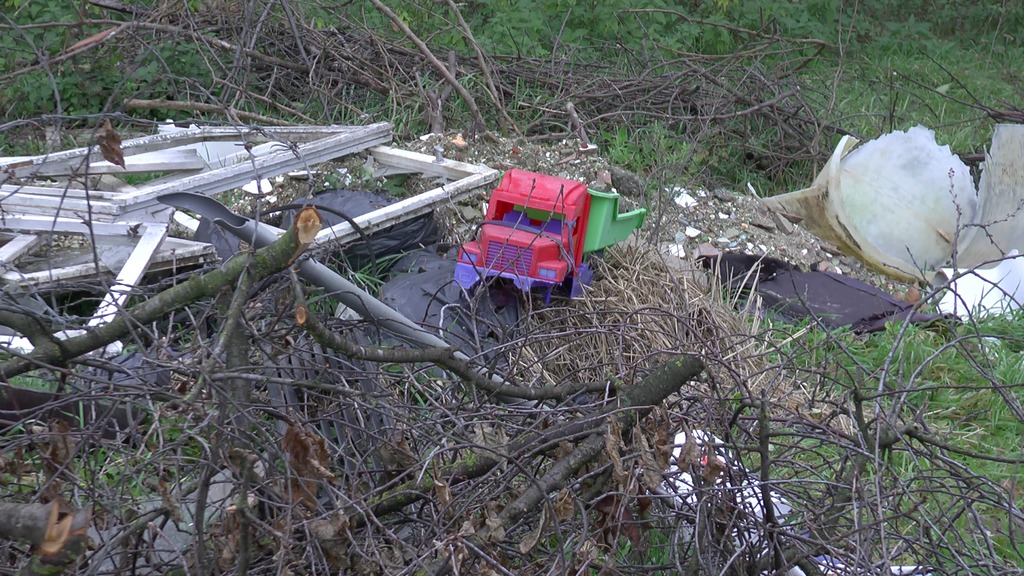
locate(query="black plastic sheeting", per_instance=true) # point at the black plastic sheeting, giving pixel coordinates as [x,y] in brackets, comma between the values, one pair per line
[337,206]
[223,242]
[423,288]
[794,295]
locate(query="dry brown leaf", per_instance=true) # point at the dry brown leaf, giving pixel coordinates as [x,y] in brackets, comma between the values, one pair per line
[617,519]
[495,527]
[331,534]
[913,295]
[612,447]
[395,454]
[467,528]
[94,39]
[689,453]
[60,447]
[564,505]
[533,536]
[169,500]
[443,493]
[110,144]
[713,468]
[650,462]
[307,455]
[491,436]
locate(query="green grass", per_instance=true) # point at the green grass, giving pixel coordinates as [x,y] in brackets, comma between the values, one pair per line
[943,378]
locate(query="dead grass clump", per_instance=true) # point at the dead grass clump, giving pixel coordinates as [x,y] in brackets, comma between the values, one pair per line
[640,307]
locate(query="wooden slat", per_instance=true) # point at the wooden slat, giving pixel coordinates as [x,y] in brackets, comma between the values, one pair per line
[279,162]
[174,253]
[23,203]
[130,274]
[9,191]
[157,161]
[16,247]
[64,226]
[22,167]
[425,164]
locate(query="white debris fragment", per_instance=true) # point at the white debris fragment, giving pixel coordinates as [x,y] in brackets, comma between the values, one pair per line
[723,216]
[677,250]
[262,187]
[746,494]
[685,200]
[743,490]
[982,292]
[692,232]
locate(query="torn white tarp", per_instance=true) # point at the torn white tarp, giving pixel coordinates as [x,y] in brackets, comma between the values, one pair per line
[900,203]
[735,482]
[985,291]
[735,479]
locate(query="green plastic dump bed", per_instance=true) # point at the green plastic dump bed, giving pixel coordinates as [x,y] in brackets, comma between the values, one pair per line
[606,226]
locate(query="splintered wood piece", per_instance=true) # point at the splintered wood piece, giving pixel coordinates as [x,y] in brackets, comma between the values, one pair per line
[36,524]
[307,225]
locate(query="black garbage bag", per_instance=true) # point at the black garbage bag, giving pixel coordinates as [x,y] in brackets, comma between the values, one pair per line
[795,295]
[335,205]
[423,289]
[225,244]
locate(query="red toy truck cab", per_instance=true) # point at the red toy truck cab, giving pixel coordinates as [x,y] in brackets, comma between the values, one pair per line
[533,233]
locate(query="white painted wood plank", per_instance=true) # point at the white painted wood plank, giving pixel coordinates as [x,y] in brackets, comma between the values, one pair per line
[174,253]
[54,276]
[63,225]
[425,164]
[23,167]
[186,221]
[16,247]
[284,160]
[10,190]
[408,208]
[54,205]
[157,161]
[130,274]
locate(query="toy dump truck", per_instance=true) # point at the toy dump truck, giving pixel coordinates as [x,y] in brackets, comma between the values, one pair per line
[538,232]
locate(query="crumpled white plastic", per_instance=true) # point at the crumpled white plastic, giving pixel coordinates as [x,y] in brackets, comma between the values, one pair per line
[747,495]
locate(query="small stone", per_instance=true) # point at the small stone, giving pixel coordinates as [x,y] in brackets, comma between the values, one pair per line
[763,223]
[706,251]
[782,223]
[730,233]
[680,237]
[723,195]
[627,183]
[828,248]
